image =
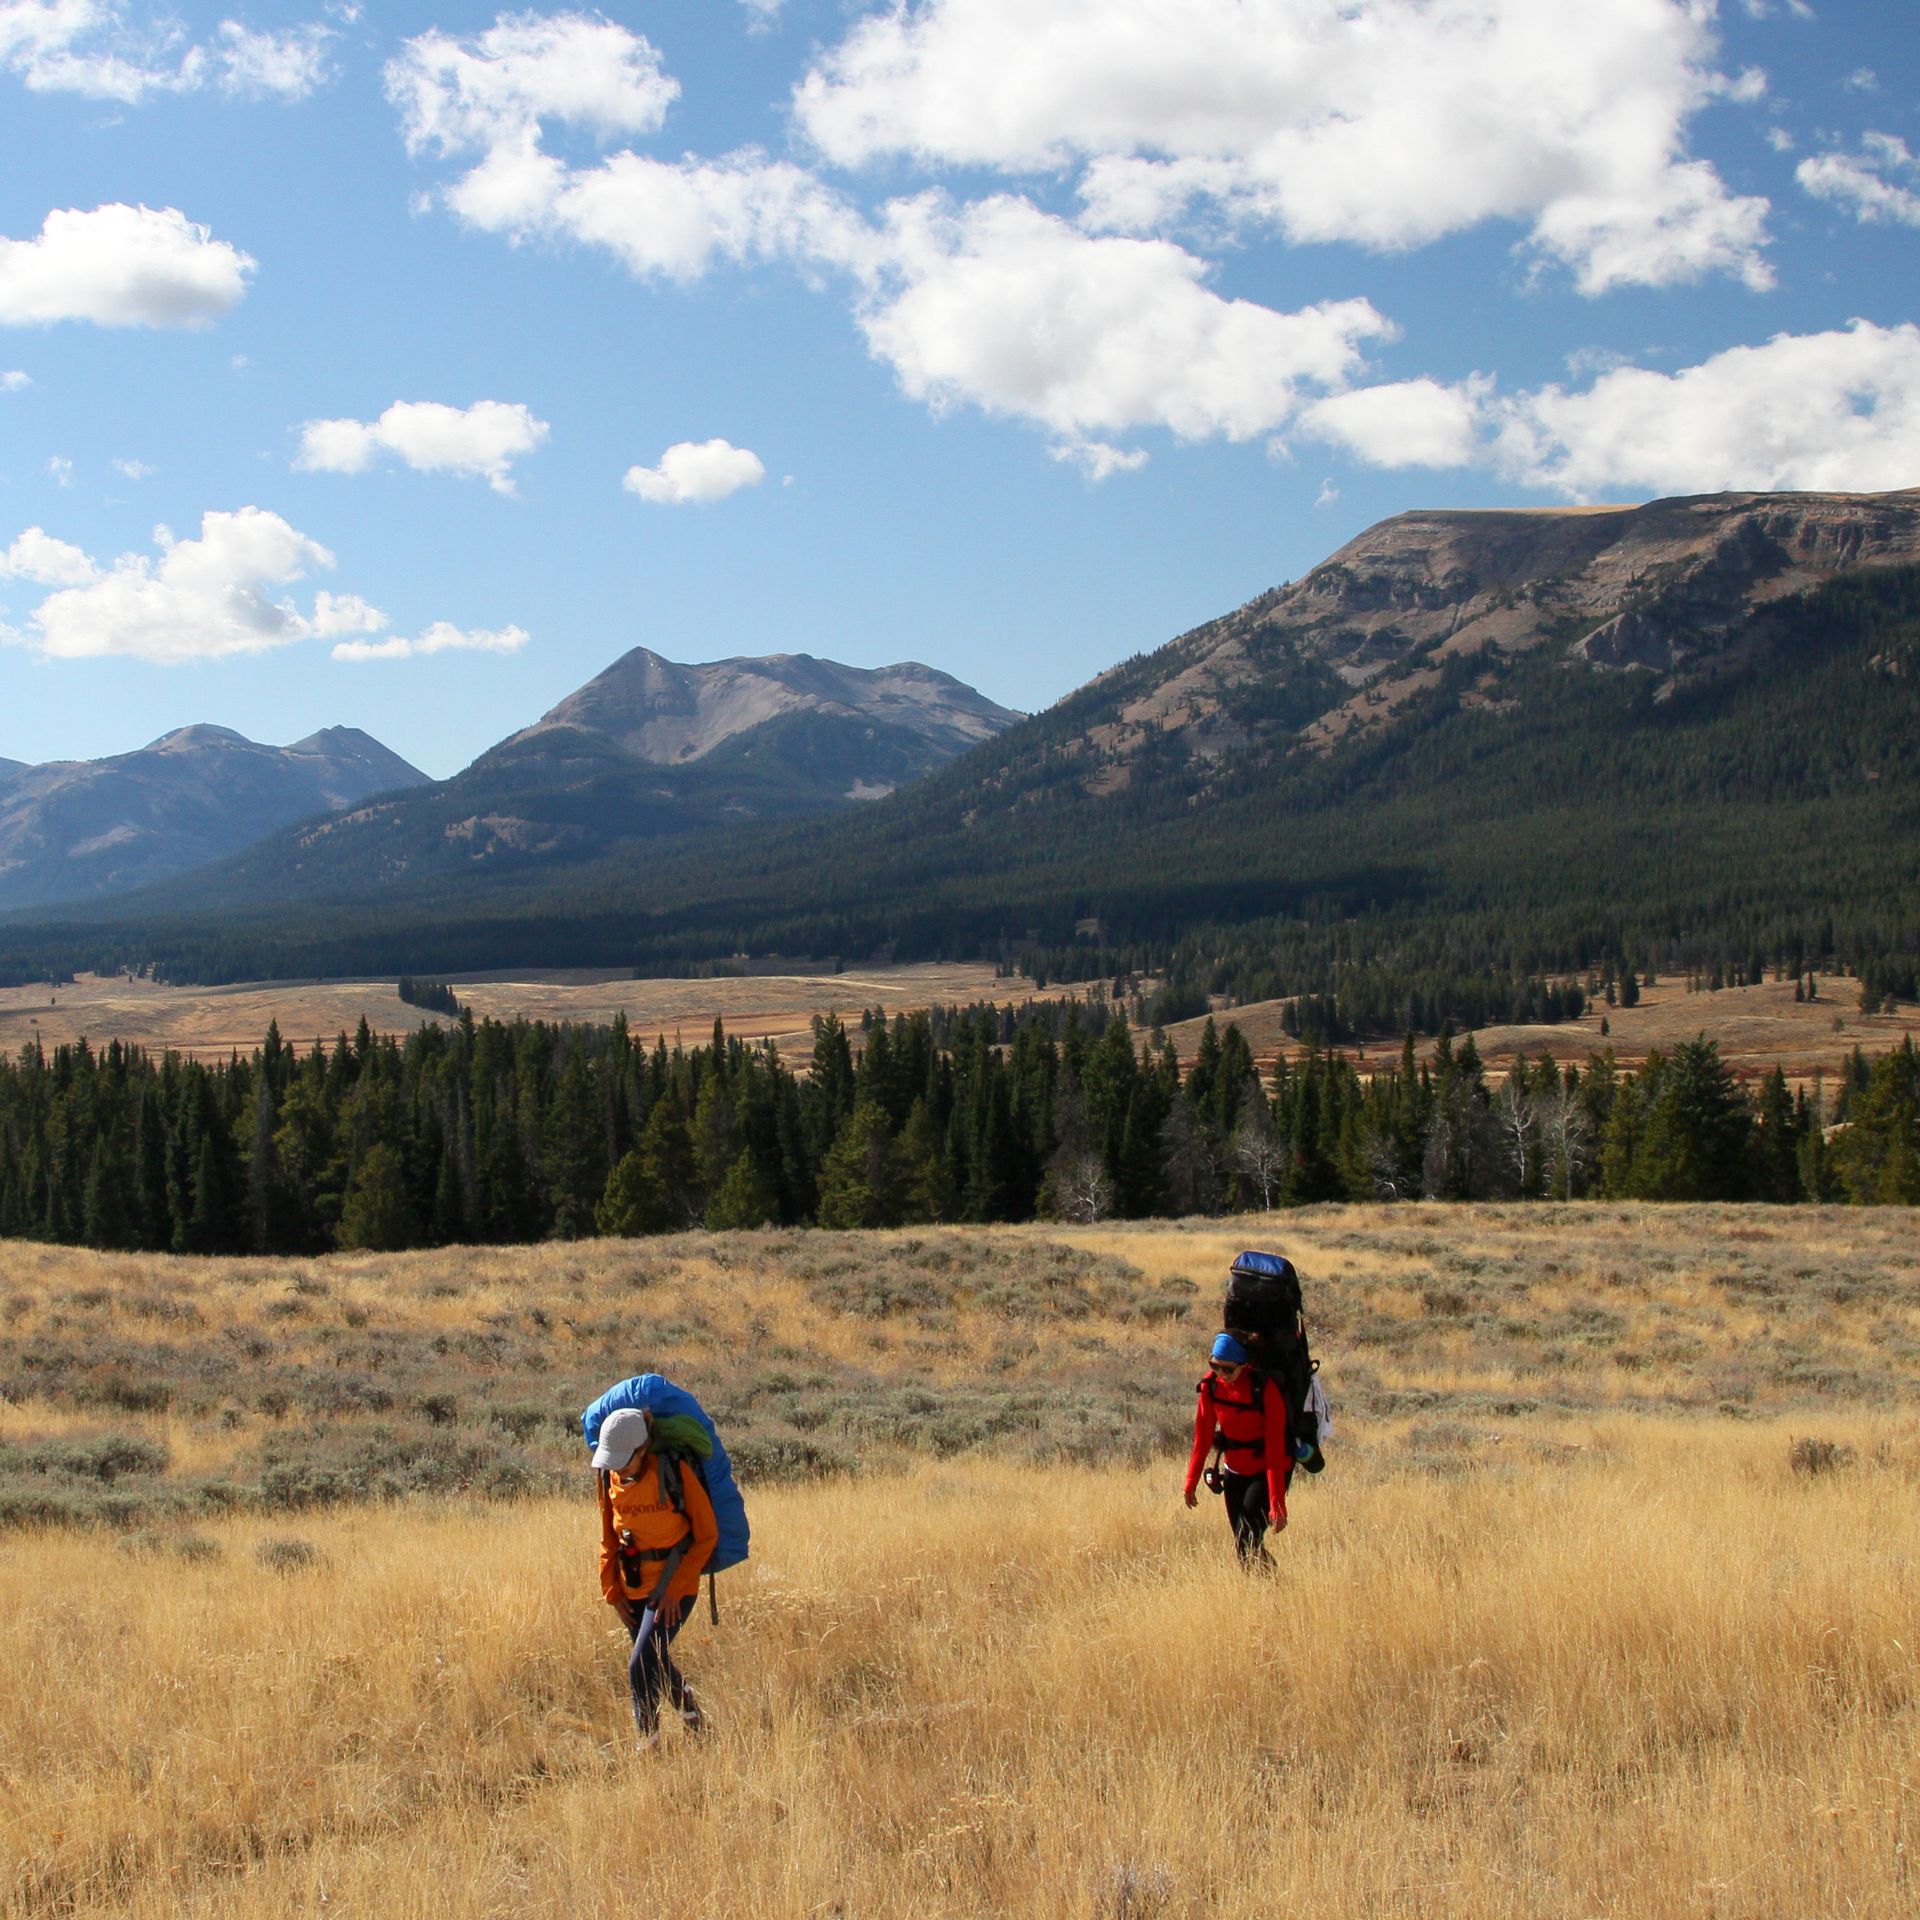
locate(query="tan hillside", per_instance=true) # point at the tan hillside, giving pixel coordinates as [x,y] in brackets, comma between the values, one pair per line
[213,1021]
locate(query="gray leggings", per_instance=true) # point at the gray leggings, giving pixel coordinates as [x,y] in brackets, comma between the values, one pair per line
[651,1674]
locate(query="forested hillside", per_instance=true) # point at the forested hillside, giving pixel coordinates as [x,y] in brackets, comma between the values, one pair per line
[1723,775]
[485,1132]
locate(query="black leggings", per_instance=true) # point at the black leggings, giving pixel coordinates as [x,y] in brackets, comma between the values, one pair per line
[651,1674]
[1245,1496]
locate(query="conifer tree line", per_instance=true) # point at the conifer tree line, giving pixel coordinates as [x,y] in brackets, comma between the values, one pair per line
[486,1132]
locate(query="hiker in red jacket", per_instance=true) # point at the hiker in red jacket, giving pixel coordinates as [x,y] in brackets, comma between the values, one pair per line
[1241,1411]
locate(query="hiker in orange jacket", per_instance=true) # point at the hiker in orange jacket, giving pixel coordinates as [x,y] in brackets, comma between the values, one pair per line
[657,1532]
[1243,1412]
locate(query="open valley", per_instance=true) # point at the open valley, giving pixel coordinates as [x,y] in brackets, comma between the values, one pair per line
[1606,1604]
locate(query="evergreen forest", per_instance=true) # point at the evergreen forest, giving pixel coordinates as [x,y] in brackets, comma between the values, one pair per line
[484,1132]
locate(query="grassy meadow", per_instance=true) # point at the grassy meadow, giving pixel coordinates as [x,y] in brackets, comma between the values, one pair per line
[1609,1602]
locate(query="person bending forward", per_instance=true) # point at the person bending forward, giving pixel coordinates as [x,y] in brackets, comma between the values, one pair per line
[657,1532]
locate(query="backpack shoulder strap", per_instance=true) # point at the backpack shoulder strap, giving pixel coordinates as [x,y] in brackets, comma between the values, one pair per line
[670,1483]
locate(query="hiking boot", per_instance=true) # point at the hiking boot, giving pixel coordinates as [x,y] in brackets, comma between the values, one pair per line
[691,1717]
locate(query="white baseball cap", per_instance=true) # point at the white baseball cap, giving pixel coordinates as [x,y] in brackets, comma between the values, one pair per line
[621,1435]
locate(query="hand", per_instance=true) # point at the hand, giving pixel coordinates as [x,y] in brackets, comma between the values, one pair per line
[1193,1499]
[1280,1525]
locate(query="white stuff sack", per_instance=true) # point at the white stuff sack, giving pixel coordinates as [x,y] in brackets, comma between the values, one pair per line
[1319,1411]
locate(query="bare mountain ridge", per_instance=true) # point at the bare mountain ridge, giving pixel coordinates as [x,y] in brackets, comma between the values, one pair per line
[659,711]
[1661,588]
[78,829]
[647,751]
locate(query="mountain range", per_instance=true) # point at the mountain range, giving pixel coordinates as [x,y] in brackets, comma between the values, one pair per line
[1468,744]
[79,829]
[646,748]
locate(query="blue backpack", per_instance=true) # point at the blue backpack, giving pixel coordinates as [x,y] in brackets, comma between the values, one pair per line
[654,1393]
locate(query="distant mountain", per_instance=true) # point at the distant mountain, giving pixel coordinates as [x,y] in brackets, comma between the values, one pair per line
[669,715]
[646,751]
[1468,748]
[74,830]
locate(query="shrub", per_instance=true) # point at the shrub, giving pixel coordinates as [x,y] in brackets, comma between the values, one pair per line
[284,1554]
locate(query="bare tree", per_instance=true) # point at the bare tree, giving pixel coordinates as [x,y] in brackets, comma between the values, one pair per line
[1517,1111]
[1080,1188]
[1566,1134]
[1256,1150]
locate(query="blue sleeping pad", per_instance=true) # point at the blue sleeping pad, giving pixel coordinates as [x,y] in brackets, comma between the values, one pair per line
[656,1394]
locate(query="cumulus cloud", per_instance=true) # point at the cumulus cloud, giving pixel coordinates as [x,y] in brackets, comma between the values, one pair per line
[466,96]
[1833,411]
[60,470]
[1836,411]
[488,100]
[1010,309]
[201,599]
[696,473]
[133,469]
[1384,122]
[120,266]
[1407,423]
[215,597]
[477,442]
[15,381]
[36,556]
[441,637]
[96,48]
[1867,184]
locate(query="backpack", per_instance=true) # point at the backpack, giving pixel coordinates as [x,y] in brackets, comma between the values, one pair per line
[671,1408]
[1263,1312]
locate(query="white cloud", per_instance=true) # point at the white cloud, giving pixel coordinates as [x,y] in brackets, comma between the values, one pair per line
[761,14]
[1327,495]
[204,599]
[120,266]
[1409,423]
[60,470]
[472,96]
[211,598]
[257,65]
[1866,183]
[1098,459]
[489,99]
[133,469]
[15,381]
[696,473]
[1001,306]
[441,637]
[1862,80]
[1837,411]
[480,441]
[38,557]
[95,48]
[1385,122]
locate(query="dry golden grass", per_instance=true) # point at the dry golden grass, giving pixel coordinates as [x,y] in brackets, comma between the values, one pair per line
[316,1382]
[212,1021]
[1626,1667]
[1757,1028]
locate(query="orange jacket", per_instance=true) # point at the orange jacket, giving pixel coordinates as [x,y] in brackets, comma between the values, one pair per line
[1255,1435]
[641,1508]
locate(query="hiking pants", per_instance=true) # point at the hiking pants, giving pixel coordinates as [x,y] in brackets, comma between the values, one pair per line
[1245,1495]
[651,1674]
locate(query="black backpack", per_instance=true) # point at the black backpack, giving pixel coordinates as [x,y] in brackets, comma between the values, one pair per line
[1263,1312]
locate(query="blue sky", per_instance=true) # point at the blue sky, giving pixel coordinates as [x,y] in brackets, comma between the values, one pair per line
[401,367]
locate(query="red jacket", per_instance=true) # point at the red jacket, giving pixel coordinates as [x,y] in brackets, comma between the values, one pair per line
[1255,1436]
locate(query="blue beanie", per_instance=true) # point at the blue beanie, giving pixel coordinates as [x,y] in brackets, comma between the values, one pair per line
[1227,1348]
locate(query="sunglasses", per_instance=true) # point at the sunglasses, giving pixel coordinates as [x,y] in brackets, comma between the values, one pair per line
[1228,1369]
